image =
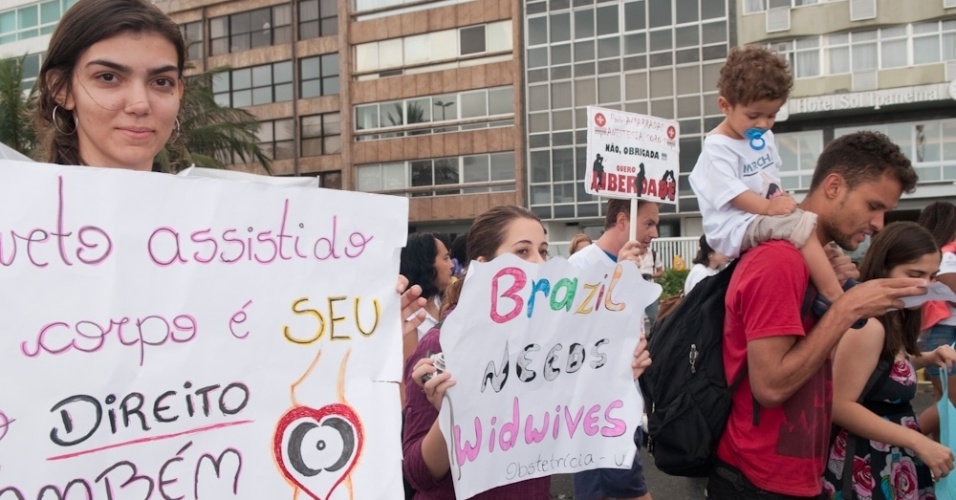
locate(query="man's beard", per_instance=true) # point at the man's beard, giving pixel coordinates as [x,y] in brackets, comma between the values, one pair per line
[845,241]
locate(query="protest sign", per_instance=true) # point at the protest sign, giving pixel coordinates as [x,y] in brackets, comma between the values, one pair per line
[168,337]
[541,355]
[632,156]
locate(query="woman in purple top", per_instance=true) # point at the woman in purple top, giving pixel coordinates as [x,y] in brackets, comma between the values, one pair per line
[505,229]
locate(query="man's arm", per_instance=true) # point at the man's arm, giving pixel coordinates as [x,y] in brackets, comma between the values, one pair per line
[780,365]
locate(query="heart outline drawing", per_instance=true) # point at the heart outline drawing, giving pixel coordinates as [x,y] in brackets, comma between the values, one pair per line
[288,454]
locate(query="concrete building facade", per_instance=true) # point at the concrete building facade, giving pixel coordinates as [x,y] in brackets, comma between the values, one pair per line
[466,104]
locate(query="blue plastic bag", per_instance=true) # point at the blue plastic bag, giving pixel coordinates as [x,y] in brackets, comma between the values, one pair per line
[946,487]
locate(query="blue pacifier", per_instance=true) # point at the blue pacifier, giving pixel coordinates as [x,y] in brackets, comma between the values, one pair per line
[755,134]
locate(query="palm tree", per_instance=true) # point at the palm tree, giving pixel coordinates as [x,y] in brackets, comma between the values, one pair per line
[16,108]
[211,135]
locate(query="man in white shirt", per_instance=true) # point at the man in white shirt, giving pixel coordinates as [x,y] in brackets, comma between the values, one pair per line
[613,246]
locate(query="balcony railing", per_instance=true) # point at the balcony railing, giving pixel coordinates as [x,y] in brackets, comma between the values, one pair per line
[666,249]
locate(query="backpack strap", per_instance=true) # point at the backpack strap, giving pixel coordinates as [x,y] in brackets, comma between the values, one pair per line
[873,384]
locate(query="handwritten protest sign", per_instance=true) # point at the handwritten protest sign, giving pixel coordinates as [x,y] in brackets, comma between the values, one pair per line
[632,156]
[194,338]
[543,370]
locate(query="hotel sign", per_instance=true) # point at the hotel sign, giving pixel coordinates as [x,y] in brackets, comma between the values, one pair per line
[873,99]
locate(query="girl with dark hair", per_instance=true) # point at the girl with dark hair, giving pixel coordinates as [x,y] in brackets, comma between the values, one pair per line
[110,89]
[426,262]
[501,230]
[111,85]
[506,229]
[878,450]
[940,219]
[707,263]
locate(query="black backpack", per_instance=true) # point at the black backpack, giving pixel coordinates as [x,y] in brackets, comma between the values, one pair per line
[687,395]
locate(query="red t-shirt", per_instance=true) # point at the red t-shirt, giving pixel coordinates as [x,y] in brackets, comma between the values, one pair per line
[785,453]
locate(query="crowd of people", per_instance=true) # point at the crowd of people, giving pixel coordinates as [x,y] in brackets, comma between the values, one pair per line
[109,94]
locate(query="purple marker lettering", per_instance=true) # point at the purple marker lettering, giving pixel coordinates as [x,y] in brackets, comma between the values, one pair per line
[203,237]
[282,234]
[153,251]
[329,242]
[237,319]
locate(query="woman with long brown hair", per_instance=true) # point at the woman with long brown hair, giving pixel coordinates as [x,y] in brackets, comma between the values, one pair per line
[878,450]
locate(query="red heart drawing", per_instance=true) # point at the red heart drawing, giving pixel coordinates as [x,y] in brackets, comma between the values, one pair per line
[315,465]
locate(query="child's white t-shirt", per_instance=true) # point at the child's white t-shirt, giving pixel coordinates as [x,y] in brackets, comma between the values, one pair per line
[727,167]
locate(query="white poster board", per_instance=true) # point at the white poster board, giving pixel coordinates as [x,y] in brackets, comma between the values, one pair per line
[541,355]
[632,156]
[168,337]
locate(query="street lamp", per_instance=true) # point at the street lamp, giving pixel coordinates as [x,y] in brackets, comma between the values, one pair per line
[443,105]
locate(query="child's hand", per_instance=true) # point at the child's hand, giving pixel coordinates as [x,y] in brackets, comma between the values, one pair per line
[782,205]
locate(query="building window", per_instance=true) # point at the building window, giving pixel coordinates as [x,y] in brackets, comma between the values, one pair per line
[366,5]
[929,144]
[331,180]
[434,47]
[245,87]
[193,35]
[277,139]
[319,75]
[31,68]
[321,134]
[318,18]
[803,54]
[455,175]
[753,6]
[32,20]
[471,109]
[799,152]
[252,29]
[885,48]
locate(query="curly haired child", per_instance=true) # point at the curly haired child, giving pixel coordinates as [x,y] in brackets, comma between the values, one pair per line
[737,176]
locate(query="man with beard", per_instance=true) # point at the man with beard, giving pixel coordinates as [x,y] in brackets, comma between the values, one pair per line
[613,246]
[777,433]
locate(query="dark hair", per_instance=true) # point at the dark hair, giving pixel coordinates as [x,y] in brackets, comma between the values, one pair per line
[458,249]
[940,218]
[485,236]
[704,252]
[898,243]
[864,156]
[418,262]
[753,73]
[84,24]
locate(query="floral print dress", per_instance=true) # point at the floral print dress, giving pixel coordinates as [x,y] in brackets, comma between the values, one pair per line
[882,471]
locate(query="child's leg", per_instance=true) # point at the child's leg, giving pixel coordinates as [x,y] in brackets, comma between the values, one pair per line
[821,272]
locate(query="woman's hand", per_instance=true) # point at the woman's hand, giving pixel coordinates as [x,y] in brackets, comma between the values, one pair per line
[642,358]
[436,386]
[938,457]
[412,304]
[944,355]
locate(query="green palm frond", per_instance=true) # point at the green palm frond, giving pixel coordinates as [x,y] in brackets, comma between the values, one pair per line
[211,134]
[16,108]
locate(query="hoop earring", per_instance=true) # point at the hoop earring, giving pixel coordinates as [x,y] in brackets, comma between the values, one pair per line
[176,132]
[56,124]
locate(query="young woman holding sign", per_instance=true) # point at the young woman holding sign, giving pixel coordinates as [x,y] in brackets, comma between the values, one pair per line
[110,90]
[501,230]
